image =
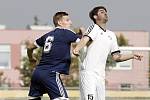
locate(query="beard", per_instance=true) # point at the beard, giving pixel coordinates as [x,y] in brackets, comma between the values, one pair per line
[105,20]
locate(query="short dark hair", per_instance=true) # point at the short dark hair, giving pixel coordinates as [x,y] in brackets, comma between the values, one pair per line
[94,11]
[58,16]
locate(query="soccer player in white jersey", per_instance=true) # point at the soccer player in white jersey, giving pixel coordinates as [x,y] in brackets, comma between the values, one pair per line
[100,43]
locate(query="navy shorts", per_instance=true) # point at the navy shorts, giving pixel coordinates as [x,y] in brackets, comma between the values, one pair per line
[44,81]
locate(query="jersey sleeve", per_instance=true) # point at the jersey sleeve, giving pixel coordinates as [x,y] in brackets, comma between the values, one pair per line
[39,42]
[72,37]
[91,32]
[114,47]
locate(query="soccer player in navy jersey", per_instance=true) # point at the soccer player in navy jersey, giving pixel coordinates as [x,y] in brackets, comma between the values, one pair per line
[55,59]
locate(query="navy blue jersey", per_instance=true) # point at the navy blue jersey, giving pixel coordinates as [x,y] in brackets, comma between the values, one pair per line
[56,50]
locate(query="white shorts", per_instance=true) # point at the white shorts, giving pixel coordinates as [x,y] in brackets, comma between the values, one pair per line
[91,86]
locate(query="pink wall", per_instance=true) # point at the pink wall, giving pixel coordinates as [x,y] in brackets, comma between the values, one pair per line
[15,55]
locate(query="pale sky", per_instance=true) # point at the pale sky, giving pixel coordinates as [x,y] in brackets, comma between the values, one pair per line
[123,14]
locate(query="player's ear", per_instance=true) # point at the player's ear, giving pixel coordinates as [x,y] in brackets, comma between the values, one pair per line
[95,16]
[59,23]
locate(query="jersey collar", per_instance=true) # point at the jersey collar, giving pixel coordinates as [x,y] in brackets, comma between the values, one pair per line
[61,27]
[64,28]
[101,28]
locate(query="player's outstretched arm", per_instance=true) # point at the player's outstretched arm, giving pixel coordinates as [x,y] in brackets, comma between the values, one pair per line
[81,44]
[123,57]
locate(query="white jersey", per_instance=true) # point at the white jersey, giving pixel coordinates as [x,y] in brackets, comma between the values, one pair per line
[103,43]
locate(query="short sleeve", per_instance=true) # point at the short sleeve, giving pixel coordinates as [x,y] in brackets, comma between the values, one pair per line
[71,36]
[91,32]
[114,47]
[39,42]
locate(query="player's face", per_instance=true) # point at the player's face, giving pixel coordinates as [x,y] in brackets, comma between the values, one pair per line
[65,22]
[102,16]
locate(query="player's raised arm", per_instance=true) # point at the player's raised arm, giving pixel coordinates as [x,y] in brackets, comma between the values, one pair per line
[81,44]
[89,35]
[117,56]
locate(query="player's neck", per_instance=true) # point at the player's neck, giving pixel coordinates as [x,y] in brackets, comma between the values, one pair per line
[102,26]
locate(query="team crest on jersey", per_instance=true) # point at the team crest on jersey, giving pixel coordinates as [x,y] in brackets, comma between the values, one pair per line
[110,37]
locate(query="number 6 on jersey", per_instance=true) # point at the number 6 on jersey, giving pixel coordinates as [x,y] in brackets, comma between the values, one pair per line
[48,43]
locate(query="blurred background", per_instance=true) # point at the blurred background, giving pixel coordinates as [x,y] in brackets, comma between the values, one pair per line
[29,19]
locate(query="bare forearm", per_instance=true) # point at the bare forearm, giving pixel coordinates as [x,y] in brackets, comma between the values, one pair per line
[82,43]
[124,57]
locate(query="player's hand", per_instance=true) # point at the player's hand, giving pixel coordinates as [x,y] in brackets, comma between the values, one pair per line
[137,57]
[76,52]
